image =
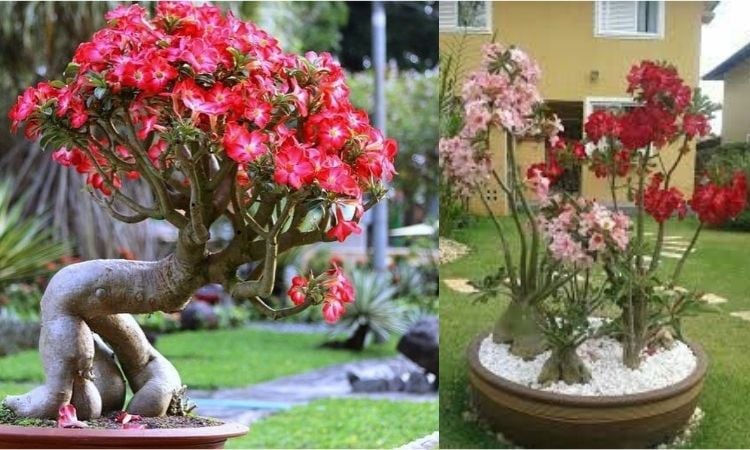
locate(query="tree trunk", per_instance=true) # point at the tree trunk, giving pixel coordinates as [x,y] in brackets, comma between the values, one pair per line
[98,296]
[564,365]
[635,333]
[519,327]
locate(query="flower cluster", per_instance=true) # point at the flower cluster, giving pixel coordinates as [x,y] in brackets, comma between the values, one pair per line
[561,155]
[666,109]
[463,165]
[195,79]
[502,92]
[579,231]
[661,203]
[331,288]
[716,203]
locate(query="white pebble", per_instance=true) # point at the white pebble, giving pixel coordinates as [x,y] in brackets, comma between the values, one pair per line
[603,358]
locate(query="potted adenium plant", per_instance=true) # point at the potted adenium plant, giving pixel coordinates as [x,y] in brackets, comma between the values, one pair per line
[220,124]
[556,370]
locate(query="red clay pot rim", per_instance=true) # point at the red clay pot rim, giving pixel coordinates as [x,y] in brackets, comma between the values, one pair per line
[223,431]
[603,401]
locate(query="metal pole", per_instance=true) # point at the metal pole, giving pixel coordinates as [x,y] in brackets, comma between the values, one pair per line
[380,211]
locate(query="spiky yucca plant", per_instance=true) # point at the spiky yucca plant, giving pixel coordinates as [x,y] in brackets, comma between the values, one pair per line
[374,317]
[26,244]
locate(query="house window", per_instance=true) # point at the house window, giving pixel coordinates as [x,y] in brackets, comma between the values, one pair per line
[472,17]
[628,19]
[607,103]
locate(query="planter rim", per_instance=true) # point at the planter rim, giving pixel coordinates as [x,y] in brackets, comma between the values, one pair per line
[606,401]
[214,432]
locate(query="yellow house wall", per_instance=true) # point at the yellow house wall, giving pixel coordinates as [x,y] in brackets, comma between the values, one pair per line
[560,36]
[736,107]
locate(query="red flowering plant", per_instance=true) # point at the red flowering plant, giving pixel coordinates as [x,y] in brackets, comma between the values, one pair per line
[630,144]
[208,112]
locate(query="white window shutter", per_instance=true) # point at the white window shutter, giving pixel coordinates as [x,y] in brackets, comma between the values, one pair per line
[448,16]
[618,17]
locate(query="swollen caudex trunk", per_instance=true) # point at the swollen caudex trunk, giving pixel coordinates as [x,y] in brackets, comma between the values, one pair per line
[98,297]
[519,327]
[564,365]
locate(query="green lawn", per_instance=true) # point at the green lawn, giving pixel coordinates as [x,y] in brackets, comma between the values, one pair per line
[719,266]
[212,359]
[343,423]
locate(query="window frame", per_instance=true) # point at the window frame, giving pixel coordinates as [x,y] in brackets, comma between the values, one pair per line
[589,102]
[454,28]
[660,25]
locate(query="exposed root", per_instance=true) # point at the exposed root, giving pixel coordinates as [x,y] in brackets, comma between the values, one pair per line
[564,365]
[108,378]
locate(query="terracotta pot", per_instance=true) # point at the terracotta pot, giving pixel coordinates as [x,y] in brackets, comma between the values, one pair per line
[533,418]
[35,437]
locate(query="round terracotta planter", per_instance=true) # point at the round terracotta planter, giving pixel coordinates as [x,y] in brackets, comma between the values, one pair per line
[540,419]
[203,437]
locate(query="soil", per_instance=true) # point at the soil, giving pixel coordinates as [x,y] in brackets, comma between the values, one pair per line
[7,417]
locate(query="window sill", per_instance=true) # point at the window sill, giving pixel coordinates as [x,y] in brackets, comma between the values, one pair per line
[635,36]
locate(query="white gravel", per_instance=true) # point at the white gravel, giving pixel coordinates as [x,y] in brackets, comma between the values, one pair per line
[603,357]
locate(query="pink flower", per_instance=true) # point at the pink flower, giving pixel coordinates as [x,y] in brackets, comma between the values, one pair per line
[244,146]
[67,418]
[333,309]
[292,166]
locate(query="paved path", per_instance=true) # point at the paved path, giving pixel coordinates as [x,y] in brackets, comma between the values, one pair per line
[249,404]
[429,442]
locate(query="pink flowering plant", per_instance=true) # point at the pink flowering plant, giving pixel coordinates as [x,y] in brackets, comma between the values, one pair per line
[503,94]
[209,113]
[575,253]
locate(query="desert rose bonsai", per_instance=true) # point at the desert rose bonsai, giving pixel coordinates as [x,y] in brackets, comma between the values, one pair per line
[209,113]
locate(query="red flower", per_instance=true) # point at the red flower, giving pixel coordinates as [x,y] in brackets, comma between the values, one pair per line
[193,71]
[298,292]
[695,125]
[545,169]
[662,203]
[716,204]
[244,146]
[659,84]
[601,123]
[646,125]
[343,227]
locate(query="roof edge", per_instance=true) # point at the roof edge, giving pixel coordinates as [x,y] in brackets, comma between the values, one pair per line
[719,71]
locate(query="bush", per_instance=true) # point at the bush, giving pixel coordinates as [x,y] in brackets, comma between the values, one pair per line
[734,156]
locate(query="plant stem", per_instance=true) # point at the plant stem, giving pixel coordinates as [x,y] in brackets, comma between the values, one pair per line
[503,242]
[534,250]
[685,255]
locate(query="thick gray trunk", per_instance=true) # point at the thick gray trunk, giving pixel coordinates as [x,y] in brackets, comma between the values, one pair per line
[98,297]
